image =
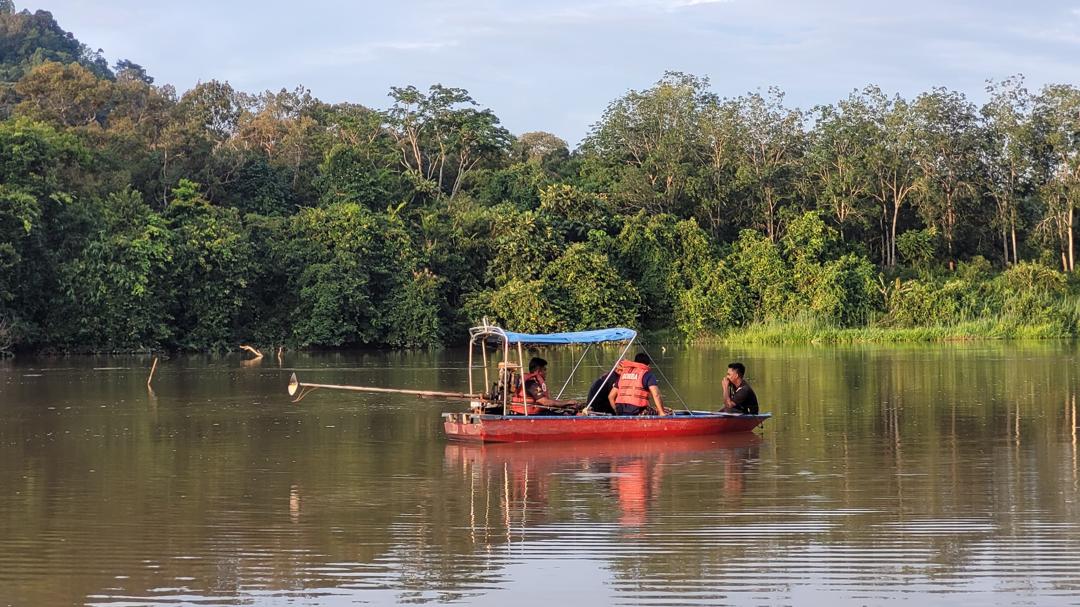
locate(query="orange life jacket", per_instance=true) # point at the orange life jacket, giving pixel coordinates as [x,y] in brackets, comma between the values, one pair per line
[631,390]
[521,400]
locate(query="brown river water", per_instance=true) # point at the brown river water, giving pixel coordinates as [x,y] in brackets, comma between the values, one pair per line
[921,475]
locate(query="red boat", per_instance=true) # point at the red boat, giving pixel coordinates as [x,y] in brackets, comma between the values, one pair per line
[477,427]
[550,456]
[491,416]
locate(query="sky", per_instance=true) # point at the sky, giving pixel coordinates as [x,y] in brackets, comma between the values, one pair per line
[555,65]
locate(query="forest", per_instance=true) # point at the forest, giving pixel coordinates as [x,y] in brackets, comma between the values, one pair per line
[134,217]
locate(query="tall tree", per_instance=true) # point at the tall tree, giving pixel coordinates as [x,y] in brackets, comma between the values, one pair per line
[442,137]
[129,70]
[838,160]
[890,158]
[536,146]
[946,151]
[719,159]
[196,143]
[649,142]
[1057,114]
[361,160]
[65,94]
[1009,162]
[771,150]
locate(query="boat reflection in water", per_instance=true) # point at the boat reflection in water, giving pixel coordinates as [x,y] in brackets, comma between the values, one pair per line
[517,488]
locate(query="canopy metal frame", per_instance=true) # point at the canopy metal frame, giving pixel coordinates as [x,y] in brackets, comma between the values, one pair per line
[481,335]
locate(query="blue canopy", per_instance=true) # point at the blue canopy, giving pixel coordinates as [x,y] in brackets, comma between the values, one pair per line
[577,337]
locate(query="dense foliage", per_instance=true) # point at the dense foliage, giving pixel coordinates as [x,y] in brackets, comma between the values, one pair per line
[133,217]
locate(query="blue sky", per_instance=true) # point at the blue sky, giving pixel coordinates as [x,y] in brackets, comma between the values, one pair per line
[555,65]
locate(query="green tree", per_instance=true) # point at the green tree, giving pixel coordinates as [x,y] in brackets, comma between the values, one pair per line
[354,267]
[117,291]
[716,303]
[126,69]
[573,212]
[359,164]
[838,161]
[770,156]
[1010,167]
[587,292]
[42,221]
[649,143]
[283,129]
[519,184]
[441,138]
[193,143]
[539,148]
[757,264]
[19,217]
[844,291]
[259,187]
[211,270]
[63,94]
[1057,117]
[946,151]
[891,164]
[660,255]
[522,244]
[414,319]
[919,247]
[520,304]
[720,195]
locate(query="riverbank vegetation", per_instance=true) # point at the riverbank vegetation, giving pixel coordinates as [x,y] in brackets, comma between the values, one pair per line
[133,216]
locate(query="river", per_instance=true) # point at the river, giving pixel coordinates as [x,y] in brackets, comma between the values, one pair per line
[930,474]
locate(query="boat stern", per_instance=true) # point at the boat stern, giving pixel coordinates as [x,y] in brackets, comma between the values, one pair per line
[463,426]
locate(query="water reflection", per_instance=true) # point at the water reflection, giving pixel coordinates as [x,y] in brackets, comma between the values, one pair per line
[601,481]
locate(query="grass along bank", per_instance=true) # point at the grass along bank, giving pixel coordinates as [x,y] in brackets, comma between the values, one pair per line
[814,332]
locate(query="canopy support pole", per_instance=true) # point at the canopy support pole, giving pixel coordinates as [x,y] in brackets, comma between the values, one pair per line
[668,382]
[572,371]
[524,392]
[588,405]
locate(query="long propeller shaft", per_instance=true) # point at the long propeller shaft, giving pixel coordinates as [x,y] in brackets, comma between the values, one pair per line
[296,386]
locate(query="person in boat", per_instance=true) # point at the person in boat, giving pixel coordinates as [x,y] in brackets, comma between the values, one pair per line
[600,389]
[532,395]
[630,396]
[739,397]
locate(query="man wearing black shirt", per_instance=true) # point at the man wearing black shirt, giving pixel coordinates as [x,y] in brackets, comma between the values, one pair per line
[739,397]
[599,390]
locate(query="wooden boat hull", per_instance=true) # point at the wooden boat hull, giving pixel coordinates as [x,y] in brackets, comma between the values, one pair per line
[474,427]
[544,455]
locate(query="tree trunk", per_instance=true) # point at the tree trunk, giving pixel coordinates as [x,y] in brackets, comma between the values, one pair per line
[1004,245]
[1071,257]
[769,227]
[892,234]
[1016,253]
[884,224]
[165,180]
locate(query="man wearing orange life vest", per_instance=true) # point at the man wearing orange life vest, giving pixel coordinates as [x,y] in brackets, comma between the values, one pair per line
[532,395]
[636,382]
